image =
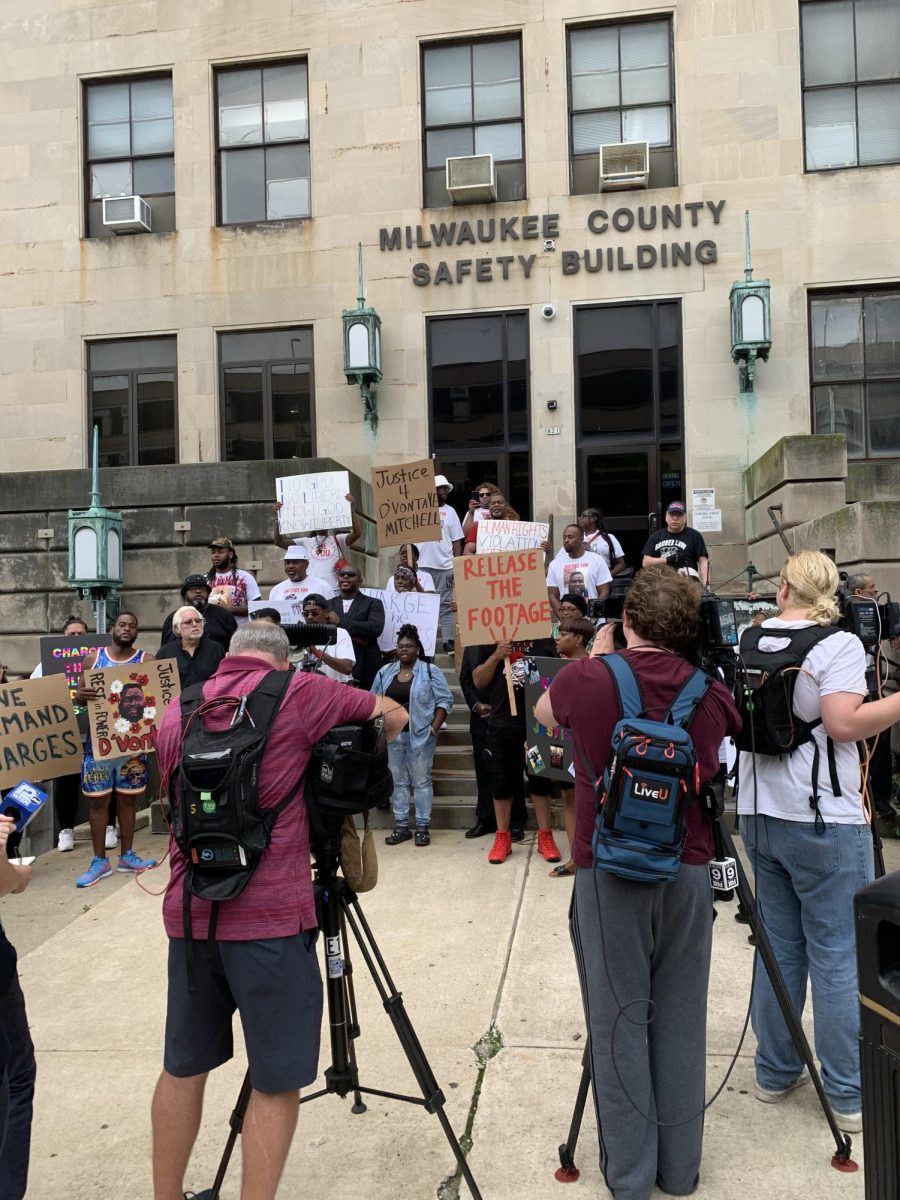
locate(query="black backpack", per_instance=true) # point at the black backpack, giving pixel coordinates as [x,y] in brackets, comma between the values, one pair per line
[766,701]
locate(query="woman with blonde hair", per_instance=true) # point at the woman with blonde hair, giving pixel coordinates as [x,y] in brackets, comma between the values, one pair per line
[807,833]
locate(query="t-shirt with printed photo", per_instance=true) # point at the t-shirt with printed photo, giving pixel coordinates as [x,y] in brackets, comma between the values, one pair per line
[581,576]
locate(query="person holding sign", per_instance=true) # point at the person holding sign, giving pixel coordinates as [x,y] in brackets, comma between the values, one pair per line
[327,551]
[230,587]
[438,557]
[422,690]
[498,510]
[575,569]
[125,776]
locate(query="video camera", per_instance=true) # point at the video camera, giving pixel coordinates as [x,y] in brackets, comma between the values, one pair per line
[870,621]
[301,635]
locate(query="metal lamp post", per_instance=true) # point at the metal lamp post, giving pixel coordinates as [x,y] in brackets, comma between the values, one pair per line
[362,348]
[751,318]
[95,547]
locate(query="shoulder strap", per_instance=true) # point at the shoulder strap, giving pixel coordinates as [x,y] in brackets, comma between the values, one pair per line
[801,640]
[685,703]
[626,685]
[265,699]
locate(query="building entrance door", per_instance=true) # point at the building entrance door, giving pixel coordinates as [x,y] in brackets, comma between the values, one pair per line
[632,488]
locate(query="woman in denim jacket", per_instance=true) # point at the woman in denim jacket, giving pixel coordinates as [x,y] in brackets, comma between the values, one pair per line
[422,690]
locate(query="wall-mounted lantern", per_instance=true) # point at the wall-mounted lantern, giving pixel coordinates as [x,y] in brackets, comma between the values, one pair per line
[95,547]
[751,318]
[362,348]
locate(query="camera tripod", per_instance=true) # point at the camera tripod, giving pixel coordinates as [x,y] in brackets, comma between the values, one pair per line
[724,846]
[337,906]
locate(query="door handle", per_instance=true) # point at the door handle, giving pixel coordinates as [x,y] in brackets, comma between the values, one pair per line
[652,518]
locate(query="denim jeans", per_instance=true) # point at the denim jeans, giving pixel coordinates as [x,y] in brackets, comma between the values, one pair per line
[411,770]
[16,1095]
[805,884]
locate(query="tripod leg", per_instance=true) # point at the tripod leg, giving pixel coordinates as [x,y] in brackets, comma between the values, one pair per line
[236,1121]
[406,1035]
[567,1172]
[791,1018]
[358,1107]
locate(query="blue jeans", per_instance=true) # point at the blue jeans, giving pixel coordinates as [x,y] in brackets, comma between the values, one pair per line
[16,1095]
[411,770]
[805,884]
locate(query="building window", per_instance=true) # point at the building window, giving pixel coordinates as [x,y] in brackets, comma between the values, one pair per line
[129,148]
[267,394]
[132,390]
[473,105]
[478,377]
[621,90]
[851,83]
[263,143]
[855,344]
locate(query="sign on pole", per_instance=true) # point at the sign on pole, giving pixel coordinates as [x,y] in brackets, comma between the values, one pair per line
[549,751]
[313,502]
[39,736]
[408,608]
[493,536]
[501,597]
[126,719]
[65,656]
[406,504]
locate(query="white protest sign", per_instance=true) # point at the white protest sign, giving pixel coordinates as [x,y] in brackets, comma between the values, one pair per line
[494,536]
[408,608]
[313,502]
[290,611]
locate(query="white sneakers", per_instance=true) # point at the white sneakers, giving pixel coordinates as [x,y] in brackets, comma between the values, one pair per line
[66,840]
[112,838]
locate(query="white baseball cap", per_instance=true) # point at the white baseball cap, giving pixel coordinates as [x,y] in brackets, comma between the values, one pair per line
[295,552]
[442,481]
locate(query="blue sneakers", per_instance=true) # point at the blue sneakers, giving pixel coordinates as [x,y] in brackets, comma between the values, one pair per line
[130,862]
[99,869]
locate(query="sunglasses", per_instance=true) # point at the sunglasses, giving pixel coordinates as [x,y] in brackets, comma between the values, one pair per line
[347,574]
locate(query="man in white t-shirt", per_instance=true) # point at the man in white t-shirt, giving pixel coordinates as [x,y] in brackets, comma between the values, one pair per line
[437,557]
[299,582]
[333,661]
[230,587]
[577,570]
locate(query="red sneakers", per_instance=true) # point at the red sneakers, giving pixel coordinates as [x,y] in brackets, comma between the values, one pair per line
[547,846]
[502,847]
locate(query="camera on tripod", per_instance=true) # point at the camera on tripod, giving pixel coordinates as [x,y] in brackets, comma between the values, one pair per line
[301,635]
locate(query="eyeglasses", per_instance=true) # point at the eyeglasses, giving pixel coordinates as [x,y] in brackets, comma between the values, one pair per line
[485,494]
[346,574]
[191,621]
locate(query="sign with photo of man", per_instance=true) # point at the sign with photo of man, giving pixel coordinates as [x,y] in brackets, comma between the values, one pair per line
[126,719]
[548,752]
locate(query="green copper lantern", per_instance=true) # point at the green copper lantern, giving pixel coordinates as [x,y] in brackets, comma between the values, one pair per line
[751,318]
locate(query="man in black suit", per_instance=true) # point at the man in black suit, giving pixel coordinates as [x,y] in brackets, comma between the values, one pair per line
[363,618]
[220,624]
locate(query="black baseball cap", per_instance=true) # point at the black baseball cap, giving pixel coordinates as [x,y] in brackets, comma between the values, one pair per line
[193,581]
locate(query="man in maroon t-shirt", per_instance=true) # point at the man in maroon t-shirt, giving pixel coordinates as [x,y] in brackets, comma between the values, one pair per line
[263,962]
[643,949]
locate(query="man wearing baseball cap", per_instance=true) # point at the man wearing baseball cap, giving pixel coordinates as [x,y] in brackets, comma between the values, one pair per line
[678,546]
[437,557]
[220,624]
[298,584]
[231,587]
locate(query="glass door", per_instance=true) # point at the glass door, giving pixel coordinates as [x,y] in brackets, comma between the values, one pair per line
[622,486]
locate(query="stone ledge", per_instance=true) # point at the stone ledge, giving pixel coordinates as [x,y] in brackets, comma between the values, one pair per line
[814,457]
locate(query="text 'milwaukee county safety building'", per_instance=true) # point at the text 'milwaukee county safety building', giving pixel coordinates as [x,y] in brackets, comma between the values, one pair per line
[550,197]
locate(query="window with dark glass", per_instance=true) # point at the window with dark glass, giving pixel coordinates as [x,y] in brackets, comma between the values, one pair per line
[130,148]
[267,393]
[478,374]
[855,369]
[621,90]
[263,143]
[473,105]
[132,395]
[851,82]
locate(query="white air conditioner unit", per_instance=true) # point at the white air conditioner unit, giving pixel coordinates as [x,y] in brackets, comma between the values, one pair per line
[472,179]
[624,165]
[126,214]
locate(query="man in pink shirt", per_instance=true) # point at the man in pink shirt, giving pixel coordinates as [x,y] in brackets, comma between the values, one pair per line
[263,960]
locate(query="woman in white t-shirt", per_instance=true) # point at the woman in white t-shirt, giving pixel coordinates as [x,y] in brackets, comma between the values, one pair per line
[597,538]
[810,856]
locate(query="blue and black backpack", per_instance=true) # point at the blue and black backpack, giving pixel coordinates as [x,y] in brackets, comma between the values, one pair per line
[651,777]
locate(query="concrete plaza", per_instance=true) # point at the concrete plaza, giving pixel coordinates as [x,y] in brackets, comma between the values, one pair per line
[483,959]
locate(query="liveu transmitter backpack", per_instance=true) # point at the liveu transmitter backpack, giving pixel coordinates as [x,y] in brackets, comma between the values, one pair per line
[651,777]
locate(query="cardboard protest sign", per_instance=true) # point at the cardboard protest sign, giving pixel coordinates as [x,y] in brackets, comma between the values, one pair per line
[311,502]
[408,608]
[549,752]
[493,536]
[134,697]
[406,504]
[64,656]
[39,736]
[501,597]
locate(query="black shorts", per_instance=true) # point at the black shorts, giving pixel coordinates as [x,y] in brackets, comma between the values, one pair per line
[276,986]
[507,747]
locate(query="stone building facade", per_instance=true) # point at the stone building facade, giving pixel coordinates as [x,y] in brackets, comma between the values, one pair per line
[613,382]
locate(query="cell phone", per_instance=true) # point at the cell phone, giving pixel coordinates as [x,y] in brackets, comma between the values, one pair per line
[474,496]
